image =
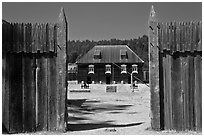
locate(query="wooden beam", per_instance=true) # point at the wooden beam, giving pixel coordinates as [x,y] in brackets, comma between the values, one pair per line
[62,36]
[154,70]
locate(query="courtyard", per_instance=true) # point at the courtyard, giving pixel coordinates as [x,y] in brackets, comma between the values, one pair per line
[101,112]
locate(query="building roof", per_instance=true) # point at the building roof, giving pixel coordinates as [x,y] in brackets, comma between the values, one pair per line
[110,54]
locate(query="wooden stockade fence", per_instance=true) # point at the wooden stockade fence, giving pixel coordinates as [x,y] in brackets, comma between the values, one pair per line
[176,95]
[34,76]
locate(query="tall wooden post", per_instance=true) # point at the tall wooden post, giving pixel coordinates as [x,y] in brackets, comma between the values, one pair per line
[62,37]
[154,70]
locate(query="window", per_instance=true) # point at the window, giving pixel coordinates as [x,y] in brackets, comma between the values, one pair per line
[123,54]
[134,68]
[97,54]
[108,69]
[123,69]
[91,69]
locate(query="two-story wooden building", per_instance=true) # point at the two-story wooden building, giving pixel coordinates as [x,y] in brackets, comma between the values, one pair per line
[109,64]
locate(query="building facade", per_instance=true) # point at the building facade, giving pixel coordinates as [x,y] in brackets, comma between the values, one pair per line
[110,64]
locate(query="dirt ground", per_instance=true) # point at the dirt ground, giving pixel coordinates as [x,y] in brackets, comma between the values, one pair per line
[111,113]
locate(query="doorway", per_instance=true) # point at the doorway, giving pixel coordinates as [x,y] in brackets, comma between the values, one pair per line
[89,80]
[108,79]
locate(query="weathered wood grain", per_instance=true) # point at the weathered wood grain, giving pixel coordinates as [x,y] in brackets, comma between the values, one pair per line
[62,37]
[15,95]
[42,92]
[154,71]
[29,94]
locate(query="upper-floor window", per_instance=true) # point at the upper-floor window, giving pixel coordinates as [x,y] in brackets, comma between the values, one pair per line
[123,54]
[91,69]
[97,54]
[72,69]
[134,68]
[108,69]
[123,69]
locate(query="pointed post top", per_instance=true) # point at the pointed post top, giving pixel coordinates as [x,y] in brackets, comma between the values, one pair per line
[152,16]
[62,16]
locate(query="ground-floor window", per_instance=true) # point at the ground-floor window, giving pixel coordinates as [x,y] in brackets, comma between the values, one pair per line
[123,69]
[91,69]
[108,69]
[134,68]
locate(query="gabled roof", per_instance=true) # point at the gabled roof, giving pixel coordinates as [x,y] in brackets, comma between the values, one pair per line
[110,54]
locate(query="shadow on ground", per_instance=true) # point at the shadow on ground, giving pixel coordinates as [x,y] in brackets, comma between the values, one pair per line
[92,106]
[91,126]
[79,109]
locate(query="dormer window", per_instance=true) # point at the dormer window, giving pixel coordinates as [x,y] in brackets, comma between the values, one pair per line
[123,54]
[108,69]
[123,69]
[91,69]
[97,54]
[134,68]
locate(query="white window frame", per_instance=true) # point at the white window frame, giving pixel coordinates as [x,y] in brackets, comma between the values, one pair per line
[134,68]
[97,51]
[108,69]
[123,69]
[91,69]
[122,51]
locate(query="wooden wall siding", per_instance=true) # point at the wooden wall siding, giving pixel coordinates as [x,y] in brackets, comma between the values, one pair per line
[33,99]
[180,54]
[29,38]
[182,43]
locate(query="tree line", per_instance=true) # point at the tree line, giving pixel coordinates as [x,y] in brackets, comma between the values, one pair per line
[77,48]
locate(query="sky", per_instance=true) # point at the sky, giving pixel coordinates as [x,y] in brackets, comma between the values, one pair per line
[100,20]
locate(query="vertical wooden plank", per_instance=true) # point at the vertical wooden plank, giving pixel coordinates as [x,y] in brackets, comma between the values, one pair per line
[176,92]
[199,48]
[19,47]
[28,37]
[161,76]
[5,93]
[198,92]
[39,37]
[44,37]
[41,92]
[22,36]
[51,37]
[62,37]
[55,38]
[170,95]
[13,45]
[166,91]
[52,94]
[47,37]
[29,93]
[186,93]
[23,91]
[15,94]
[185,76]
[5,78]
[11,38]
[154,71]
[191,92]
[181,74]
[34,38]
[182,81]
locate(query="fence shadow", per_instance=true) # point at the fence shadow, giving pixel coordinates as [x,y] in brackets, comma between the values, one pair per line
[91,126]
[80,111]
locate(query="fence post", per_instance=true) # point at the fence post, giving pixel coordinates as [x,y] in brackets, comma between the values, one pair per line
[61,69]
[154,71]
